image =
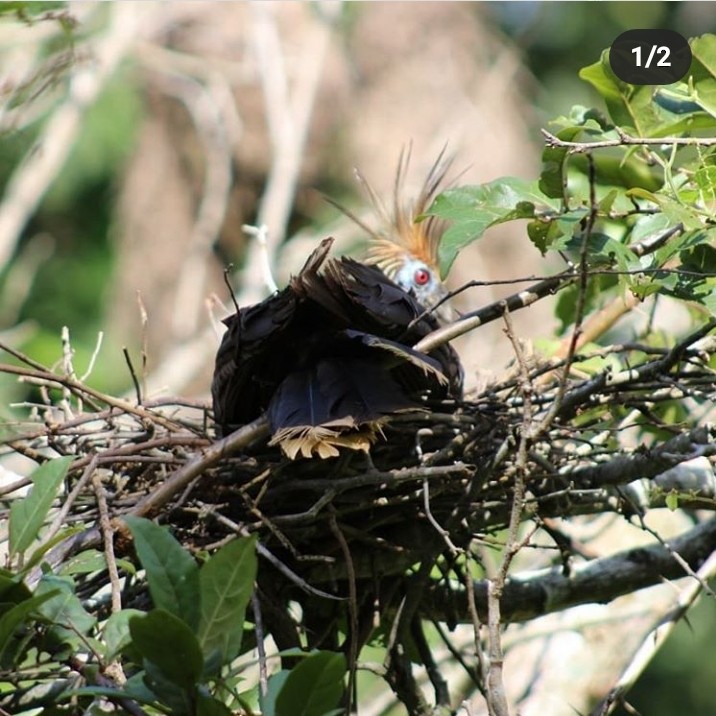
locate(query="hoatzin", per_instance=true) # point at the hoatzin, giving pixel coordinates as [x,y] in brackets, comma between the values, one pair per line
[329,357]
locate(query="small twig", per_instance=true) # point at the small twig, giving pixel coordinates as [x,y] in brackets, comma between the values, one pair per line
[128,705]
[137,389]
[80,388]
[474,677]
[217,451]
[677,557]
[496,698]
[596,582]
[93,357]
[353,645]
[654,640]
[440,685]
[431,518]
[144,323]
[625,139]
[260,646]
[474,618]
[108,539]
[556,405]
[262,551]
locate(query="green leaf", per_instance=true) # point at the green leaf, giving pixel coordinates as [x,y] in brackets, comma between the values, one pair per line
[677,212]
[129,690]
[275,684]
[680,244]
[556,233]
[226,581]
[208,706]
[313,687]
[28,514]
[64,611]
[87,562]
[703,48]
[116,634]
[648,226]
[12,618]
[172,573]
[37,555]
[179,701]
[553,180]
[167,642]
[703,72]
[672,501]
[474,209]
[12,589]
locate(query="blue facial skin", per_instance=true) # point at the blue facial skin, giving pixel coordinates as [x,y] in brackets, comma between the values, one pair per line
[417,277]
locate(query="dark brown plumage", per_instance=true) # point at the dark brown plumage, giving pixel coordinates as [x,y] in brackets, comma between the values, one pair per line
[328,358]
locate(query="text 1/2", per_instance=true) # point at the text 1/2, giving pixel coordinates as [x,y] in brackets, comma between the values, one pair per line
[662,51]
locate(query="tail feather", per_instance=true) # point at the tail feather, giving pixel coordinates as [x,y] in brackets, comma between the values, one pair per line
[402,353]
[323,440]
[334,404]
[351,390]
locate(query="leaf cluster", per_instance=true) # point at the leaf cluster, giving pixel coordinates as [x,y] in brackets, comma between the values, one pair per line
[615,180]
[179,657]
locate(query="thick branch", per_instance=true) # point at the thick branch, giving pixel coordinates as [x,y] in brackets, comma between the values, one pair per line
[599,581]
[648,462]
[492,311]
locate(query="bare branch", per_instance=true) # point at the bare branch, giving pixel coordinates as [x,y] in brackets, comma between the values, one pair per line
[626,140]
[595,582]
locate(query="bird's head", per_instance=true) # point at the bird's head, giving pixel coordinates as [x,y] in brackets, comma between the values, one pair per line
[405,245]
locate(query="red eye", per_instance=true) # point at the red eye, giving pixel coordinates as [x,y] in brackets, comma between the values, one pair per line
[421,276]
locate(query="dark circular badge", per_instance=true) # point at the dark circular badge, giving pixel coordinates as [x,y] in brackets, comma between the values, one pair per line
[650,57]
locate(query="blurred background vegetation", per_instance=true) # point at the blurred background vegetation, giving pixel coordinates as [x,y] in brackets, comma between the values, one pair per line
[138,138]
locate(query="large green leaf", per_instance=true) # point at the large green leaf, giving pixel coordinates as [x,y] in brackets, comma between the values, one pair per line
[312,688]
[172,573]
[226,582]
[474,209]
[64,611]
[28,514]
[167,642]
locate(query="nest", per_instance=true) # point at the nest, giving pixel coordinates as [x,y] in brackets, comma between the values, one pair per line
[363,524]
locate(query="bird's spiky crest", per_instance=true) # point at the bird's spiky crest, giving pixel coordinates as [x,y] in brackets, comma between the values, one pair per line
[399,232]
[402,233]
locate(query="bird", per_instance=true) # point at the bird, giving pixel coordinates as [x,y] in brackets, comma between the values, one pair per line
[330,357]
